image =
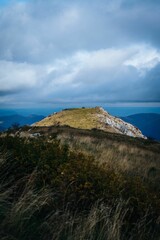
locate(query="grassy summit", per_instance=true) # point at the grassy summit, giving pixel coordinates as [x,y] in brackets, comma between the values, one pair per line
[89,118]
[84,118]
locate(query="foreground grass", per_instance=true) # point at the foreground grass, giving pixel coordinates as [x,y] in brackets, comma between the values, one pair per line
[49,192]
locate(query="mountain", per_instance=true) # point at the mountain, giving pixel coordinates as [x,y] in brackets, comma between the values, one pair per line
[7,121]
[90,118]
[148,123]
[7,112]
[60,182]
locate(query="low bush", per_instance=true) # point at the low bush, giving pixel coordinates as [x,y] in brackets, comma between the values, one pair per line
[48,191]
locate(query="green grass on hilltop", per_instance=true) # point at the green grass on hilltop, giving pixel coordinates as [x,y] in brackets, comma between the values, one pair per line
[83,118]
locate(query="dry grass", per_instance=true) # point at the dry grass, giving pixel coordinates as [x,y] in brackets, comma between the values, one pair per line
[31,213]
[102,223]
[134,159]
[77,118]
[131,155]
[81,118]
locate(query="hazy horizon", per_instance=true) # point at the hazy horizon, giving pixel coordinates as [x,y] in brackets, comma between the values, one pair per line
[115,111]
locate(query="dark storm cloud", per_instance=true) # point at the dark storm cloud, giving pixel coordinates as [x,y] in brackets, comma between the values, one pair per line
[80,50]
[151,84]
[140,22]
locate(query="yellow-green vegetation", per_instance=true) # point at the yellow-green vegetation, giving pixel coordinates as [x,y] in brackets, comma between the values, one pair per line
[83,118]
[50,191]
[133,156]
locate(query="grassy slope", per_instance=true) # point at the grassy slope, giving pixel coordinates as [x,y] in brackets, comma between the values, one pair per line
[83,118]
[131,155]
[48,191]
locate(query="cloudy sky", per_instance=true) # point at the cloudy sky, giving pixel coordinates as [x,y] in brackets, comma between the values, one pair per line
[79,51]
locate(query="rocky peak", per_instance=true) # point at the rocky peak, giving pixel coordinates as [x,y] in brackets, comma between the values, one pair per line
[89,118]
[119,125]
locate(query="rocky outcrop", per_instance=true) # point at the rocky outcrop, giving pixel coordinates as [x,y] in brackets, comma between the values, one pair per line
[89,118]
[119,125]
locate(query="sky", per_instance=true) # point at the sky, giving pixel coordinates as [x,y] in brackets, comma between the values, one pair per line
[79,51]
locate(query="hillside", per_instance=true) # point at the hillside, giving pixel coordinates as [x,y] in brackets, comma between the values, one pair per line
[132,155]
[60,182]
[91,182]
[90,118]
[148,123]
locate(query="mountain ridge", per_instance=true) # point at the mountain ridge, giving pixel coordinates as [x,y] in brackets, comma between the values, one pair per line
[7,121]
[90,118]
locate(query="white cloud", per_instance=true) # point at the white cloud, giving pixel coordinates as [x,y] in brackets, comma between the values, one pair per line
[112,59]
[79,50]
[85,72]
[68,19]
[18,76]
[145,58]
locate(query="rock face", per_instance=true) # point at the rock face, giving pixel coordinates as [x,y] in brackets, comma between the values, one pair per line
[89,118]
[119,125]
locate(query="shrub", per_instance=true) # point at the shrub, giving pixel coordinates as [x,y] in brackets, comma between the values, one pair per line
[51,192]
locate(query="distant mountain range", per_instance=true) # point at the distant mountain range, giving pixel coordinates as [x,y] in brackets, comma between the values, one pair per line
[148,123]
[7,121]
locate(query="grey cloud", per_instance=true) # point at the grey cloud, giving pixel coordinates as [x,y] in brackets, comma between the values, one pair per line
[39,32]
[103,75]
[7,92]
[151,84]
[111,82]
[62,50]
